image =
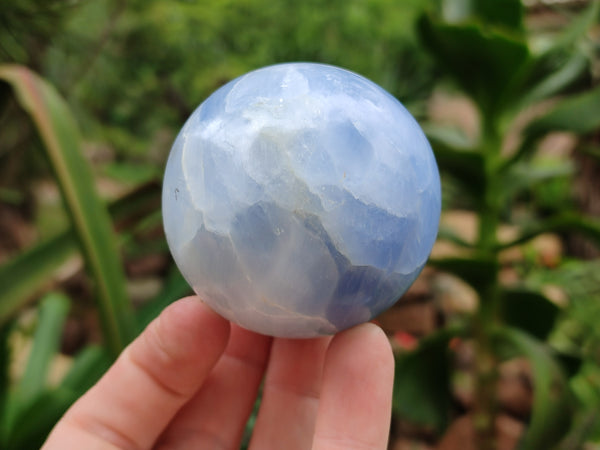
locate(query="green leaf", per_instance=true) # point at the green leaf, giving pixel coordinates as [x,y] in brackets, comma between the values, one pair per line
[35,419]
[46,342]
[552,400]
[34,423]
[481,60]
[448,234]
[571,222]
[563,65]
[507,14]
[528,175]
[88,367]
[476,271]
[579,114]
[562,73]
[132,173]
[25,275]
[578,28]
[529,311]
[422,382]
[60,135]
[468,167]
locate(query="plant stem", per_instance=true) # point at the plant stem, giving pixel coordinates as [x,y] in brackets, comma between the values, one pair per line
[488,314]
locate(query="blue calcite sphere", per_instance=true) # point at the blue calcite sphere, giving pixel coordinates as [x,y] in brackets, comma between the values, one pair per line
[301,199]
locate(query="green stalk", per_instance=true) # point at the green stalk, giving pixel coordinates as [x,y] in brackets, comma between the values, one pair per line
[488,314]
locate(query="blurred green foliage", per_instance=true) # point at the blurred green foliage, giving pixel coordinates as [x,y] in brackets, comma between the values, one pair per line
[131,72]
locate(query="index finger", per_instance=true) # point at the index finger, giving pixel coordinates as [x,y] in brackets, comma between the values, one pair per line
[152,379]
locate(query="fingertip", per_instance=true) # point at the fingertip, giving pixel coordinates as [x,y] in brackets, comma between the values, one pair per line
[189,322]
[356,397]
[366,339]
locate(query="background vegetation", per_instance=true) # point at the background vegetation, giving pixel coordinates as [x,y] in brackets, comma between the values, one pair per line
[497,343]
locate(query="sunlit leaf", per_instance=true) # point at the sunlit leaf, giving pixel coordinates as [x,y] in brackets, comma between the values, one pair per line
[60,135]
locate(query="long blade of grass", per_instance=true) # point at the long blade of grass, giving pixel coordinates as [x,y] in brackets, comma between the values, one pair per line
[25,275]
[46,341]
[37,418]
[61,138]
[32,426]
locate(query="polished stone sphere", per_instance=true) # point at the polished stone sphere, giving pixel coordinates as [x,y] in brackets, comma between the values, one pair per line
[301,199]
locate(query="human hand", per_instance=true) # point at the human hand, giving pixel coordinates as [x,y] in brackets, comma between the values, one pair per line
[191,378]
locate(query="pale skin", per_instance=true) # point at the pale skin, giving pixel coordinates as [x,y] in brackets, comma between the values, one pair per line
[189,381]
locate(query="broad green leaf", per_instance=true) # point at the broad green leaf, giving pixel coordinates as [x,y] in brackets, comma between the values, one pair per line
[552,400]
[482,61]
[422,382]
[529,311]
[60,135]
[22,277]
